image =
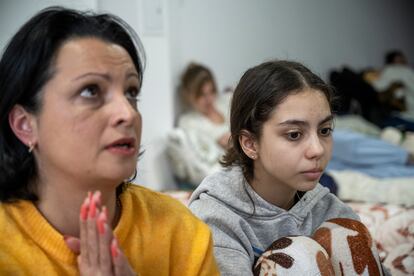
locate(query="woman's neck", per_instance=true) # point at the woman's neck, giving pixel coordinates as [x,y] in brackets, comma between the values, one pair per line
[60,204]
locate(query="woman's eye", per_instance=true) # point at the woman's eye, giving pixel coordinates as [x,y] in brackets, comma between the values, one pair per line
[132,93]
[293,136]
[326,131]
[91,91]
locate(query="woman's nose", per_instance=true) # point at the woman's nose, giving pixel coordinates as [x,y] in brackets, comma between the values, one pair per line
[123,111]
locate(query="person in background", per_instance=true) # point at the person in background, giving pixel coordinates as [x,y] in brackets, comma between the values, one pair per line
[207,112]
[69,141]
[267,211]
[398,77]
[395,57]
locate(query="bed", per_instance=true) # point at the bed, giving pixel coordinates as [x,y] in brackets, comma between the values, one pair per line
[391,225]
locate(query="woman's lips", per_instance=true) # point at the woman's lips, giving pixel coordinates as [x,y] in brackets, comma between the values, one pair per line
[123,146]
[122,150]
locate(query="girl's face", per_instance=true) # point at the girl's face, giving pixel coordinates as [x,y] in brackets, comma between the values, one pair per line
[296,143]
[204,103]
[89,126]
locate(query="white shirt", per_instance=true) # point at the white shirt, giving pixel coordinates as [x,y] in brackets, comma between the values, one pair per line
[399,73]
[194,121]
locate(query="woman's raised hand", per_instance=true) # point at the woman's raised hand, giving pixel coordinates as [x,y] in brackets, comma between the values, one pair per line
[99,250]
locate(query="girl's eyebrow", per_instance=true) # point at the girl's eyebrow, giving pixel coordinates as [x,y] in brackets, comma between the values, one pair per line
[305,123]
[327,119]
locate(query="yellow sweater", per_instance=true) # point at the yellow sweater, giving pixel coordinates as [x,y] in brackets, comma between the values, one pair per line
[158,234]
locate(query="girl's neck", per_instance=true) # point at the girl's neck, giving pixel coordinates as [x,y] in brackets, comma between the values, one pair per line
[278,195]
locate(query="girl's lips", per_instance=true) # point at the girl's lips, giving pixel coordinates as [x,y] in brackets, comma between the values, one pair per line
[312,174]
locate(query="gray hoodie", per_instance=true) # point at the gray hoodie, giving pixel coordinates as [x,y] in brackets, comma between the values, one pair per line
[243,230]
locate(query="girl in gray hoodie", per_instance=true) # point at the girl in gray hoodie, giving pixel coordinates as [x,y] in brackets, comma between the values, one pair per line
[267,211]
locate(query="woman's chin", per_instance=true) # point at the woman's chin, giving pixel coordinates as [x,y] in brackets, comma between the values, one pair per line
[118,175]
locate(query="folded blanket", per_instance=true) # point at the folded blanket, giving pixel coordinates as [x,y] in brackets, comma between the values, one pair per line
[357,186]
[338,247]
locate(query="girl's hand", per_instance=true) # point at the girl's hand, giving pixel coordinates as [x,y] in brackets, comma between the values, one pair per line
[99,250]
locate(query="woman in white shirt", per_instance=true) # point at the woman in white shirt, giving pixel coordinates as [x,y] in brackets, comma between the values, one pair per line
[207,113]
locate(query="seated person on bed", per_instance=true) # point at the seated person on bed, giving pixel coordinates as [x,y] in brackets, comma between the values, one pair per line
[207,112]
[398,73]
[268,213]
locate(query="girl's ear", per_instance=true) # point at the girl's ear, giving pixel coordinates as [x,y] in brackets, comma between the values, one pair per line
[23,125]
[248,144]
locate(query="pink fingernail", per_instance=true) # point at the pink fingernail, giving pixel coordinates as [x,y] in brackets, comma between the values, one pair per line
[92,209]
[105,212]
[97,197]
[101,223]
[101,226]
[84,211]
[114,248]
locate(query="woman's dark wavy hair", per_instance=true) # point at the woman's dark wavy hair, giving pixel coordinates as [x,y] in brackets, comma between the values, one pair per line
[260,90]
[27,65]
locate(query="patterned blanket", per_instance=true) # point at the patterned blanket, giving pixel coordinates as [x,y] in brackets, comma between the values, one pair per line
[391,227]
[338,247]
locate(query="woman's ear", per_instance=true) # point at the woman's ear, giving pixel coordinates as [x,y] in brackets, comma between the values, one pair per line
[248,144]
[23,125]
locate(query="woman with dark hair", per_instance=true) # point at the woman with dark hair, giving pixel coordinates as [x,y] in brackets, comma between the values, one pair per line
[70,124]
[268,213]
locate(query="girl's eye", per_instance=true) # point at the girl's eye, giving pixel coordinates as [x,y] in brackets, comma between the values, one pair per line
[91,91]
[294,136]
[326,131]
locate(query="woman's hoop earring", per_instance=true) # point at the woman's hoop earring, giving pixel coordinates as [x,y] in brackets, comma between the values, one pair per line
[31,147]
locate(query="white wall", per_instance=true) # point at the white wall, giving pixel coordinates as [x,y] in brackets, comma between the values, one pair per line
[232,35]
[14,13]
